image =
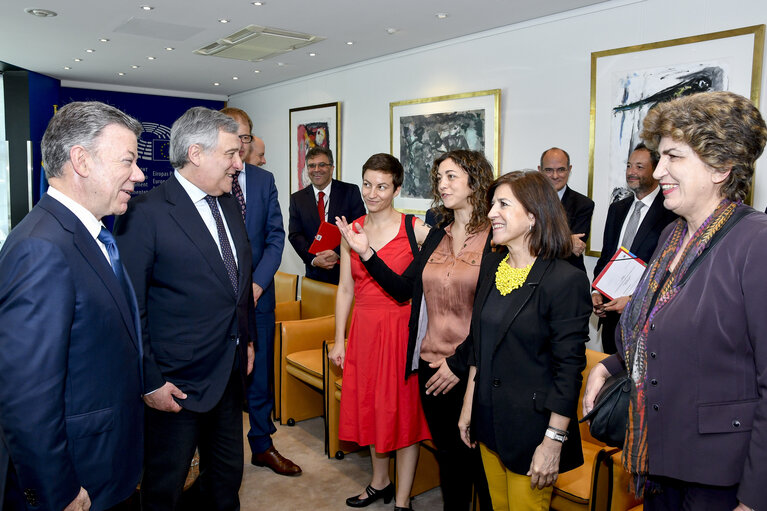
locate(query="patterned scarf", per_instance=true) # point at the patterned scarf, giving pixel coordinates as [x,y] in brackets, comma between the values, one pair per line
[637,317]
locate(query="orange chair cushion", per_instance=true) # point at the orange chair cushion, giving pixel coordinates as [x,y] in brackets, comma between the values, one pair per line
[575,485]
[309,360]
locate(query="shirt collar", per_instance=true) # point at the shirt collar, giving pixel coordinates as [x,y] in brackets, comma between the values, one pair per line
[561,192]
[91,223]
[649,198]
[191,189]
[326,190]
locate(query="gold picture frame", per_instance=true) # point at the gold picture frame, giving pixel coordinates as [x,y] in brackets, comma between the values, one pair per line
[307,123]
[421,130]
[626,82]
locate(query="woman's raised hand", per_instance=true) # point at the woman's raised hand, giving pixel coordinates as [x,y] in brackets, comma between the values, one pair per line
[358,241]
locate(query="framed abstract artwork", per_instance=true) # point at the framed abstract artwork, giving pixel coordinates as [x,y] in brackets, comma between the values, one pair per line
[310,126]
[627,82]
[421,130]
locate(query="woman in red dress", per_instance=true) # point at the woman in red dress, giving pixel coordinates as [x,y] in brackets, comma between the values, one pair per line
[379,407]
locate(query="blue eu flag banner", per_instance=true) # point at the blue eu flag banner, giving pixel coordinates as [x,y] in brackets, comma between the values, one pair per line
[156,114]
[43,181]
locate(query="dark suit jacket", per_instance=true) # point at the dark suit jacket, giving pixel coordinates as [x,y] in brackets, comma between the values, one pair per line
[643,246]
[191,317]
[537,358]
[263,222]
[646,239]
[345,200]
[70,393]
[707,357]
[410,285]
[579,209]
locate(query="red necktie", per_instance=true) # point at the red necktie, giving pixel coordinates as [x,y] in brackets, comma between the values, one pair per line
[321,206]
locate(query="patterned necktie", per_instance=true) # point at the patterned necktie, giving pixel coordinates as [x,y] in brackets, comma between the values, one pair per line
[226,249]
[321,206]
[633,225]
[237,192]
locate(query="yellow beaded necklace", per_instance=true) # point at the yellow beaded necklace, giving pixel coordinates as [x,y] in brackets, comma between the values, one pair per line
[507,279]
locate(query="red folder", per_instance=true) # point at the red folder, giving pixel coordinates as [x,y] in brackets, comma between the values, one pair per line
[328,237]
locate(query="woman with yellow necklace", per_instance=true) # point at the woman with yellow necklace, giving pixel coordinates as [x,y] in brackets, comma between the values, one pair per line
[526,346]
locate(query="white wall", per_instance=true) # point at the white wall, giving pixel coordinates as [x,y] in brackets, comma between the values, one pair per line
[542,68]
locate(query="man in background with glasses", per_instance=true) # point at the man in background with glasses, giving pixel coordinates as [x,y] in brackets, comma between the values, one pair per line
[322,201]
[555,163]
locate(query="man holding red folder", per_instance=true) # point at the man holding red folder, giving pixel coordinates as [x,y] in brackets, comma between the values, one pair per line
[323,201]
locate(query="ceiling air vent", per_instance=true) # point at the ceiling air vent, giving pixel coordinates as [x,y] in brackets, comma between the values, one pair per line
[254,43]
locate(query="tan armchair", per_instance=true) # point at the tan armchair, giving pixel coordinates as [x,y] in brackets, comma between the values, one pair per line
[285,287]
[301,367]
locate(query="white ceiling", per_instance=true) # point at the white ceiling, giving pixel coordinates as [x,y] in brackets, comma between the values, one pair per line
[46,45]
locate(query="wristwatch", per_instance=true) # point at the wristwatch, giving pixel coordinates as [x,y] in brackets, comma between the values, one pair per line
[559,437]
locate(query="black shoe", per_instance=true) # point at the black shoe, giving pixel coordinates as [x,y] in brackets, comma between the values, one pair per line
[408,508]
[386,494]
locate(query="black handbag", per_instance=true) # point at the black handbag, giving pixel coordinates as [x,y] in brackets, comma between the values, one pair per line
[611,410]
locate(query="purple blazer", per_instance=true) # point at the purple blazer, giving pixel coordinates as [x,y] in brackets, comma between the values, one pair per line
[707,369]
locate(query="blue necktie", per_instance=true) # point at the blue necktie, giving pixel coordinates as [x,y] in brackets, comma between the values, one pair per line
[108,240]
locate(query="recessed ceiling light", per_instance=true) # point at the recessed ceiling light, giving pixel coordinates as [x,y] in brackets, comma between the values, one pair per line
[258,4]
[40,13]
[216,84]
[312,54]
[441,15]
[281,64]
[235,78]
[151,58]
[391,30]
[90,50]
[256,70]
[104,40]
[135,67]
[223,20]
[350,43]
[169,48]
[121,74]
[67,68]
[147,7]
[78,60]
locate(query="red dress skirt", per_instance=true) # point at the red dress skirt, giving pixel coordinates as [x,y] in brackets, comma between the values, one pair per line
[378,406]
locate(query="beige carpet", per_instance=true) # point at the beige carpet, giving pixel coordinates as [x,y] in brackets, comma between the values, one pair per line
[325,483]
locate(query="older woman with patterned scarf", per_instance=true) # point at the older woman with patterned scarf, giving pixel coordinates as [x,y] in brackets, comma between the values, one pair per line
[693,338]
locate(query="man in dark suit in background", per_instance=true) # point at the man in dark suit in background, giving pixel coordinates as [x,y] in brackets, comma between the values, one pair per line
[70,350]
[335,198]
[555,163]
[635,223]
[188,256]
[256,193]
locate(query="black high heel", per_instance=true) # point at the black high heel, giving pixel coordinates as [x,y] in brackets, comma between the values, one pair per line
[387,494]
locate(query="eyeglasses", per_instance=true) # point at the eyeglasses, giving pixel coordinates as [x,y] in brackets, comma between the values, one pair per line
[246,139]
[321,166]
[559,171]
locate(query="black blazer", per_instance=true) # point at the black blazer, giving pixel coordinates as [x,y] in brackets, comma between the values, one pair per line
[345,200]
[579,210]
[646,239]
[410,285]
[191,318]
[537,359]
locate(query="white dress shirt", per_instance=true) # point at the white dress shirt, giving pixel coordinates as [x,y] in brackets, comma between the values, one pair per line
[198,198]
